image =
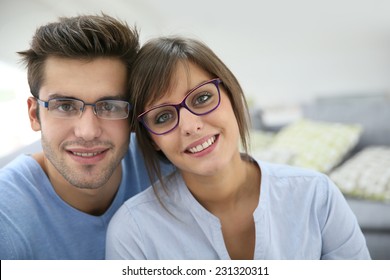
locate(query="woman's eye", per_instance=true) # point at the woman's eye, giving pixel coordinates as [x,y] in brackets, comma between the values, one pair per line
[202,98]
[163,118]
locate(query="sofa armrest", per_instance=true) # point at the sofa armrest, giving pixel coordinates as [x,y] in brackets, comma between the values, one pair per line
[371,215]
[374,220]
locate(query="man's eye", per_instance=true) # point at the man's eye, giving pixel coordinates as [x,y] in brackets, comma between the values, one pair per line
[64,106]
[108,107]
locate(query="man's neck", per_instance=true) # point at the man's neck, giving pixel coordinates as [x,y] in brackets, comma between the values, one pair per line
[91,201]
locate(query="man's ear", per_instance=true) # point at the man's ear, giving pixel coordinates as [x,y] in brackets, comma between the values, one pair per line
[33,114]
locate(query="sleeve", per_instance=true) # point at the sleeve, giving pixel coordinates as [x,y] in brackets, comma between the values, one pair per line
[341,235]
[124,239]
[6,250]
[13,240]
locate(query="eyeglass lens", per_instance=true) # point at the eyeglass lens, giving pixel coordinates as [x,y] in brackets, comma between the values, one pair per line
[106,109]
[200,101]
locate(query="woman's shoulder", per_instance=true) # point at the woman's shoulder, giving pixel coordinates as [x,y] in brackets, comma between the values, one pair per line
[294,181]
[145,197]
[287,171]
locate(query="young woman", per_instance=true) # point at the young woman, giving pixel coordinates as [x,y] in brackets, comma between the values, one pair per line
[219,203]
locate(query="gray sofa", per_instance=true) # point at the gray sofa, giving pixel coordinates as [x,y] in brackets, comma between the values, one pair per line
[373,114]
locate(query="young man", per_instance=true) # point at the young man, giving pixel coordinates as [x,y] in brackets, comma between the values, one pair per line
[56,204]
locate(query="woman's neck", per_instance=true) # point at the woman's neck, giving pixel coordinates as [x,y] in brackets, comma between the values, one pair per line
[232,195]
[229,188]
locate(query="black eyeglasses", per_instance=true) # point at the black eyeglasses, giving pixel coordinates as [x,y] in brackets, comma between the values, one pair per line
[201,100]
[68,108]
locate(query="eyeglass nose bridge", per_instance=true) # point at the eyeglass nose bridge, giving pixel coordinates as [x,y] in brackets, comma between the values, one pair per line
[178,107]
[82,108]
[182,105]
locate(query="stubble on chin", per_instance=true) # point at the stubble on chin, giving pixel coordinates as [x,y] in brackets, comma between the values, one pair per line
[84,177]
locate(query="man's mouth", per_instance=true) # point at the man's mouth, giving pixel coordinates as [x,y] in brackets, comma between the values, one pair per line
[86,154]
[88,157]
[202,146]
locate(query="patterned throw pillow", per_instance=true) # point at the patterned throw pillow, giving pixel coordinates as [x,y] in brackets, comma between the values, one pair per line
[316,145]
[260,143]
[366,175]
[260,139]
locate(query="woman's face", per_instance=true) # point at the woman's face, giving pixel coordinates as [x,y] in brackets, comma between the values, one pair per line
[199,145]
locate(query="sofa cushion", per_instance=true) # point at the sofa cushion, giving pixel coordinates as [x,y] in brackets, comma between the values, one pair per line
[316,145]
[260,142]
[366,174]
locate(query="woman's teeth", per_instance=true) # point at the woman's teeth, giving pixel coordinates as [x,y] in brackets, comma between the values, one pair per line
[202,146]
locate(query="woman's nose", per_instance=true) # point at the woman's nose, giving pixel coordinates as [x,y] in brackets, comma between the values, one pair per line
[189,123]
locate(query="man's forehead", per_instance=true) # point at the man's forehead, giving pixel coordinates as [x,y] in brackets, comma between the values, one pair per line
[91,80]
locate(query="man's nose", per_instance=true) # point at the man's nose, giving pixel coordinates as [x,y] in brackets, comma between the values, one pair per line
[88,125]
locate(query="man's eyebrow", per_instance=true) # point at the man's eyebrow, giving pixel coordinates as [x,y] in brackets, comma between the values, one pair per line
[113,97]
[57,95]
[105,97]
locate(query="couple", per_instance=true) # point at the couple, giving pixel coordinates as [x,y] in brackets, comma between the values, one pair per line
[91,87]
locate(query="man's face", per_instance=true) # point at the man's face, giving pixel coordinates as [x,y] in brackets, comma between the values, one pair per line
[84,151]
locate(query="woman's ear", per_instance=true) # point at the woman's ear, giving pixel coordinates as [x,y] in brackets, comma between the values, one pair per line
[33,114]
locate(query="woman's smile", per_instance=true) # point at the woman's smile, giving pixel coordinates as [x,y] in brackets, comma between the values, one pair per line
[200,147]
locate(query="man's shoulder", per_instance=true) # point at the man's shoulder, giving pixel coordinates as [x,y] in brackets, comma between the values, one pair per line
[18,165]
[29,149]
[19,178]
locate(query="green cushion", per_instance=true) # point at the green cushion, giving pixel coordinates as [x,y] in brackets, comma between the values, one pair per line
[316,145]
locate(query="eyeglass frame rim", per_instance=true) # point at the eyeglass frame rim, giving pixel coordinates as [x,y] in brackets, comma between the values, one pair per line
[45,104]
[182,104]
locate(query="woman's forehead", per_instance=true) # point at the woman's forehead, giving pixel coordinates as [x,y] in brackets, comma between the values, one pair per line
[180,79]
[186,76]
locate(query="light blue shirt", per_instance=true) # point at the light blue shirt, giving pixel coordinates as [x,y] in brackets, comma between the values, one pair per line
[301,215]
[35,223]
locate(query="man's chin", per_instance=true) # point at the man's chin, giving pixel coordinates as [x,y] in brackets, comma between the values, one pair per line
[88,179]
